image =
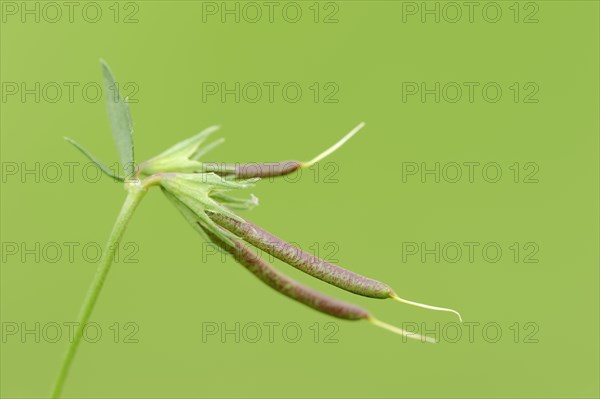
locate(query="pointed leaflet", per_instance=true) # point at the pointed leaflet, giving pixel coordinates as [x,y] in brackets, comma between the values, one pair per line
[181,156]
[200,152]
[92,158]
[120,120]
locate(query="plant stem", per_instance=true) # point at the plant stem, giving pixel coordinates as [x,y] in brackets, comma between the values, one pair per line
[135,193]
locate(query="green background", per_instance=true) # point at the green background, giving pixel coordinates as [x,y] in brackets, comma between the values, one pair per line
[368,213]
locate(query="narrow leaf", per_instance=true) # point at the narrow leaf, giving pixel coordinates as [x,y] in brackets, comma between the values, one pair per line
[187,147]
[120,120]
[92,158]
[177,158]
[209,147]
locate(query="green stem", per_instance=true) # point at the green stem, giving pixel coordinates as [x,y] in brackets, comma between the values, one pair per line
[135,193]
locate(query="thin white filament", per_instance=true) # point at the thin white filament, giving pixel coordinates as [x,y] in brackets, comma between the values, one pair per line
[422,305]
[334,147]
[400,331]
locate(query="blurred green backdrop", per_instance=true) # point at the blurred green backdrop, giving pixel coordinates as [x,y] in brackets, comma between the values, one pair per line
[372,206]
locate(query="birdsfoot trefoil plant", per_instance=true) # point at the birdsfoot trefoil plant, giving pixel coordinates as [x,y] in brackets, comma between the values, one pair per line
[201,191]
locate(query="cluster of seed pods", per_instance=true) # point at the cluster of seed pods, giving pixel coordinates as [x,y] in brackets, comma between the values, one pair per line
[197,189]
[240,229]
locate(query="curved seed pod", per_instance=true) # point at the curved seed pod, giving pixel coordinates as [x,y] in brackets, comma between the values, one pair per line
[251,170]
[280,282]
[301,260]
[310,264]
[301,293]
[273,169]
[285,285]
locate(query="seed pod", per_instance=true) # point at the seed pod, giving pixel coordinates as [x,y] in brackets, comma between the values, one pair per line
[263,270]
[272,169]
[285,285]
[310,264]
[302,260]
[251,170]
[301,293]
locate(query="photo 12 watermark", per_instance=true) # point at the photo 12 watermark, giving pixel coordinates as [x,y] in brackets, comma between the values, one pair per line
[469,252]
[66,92]
[57,12]
[525,172]
[470,92]
[471,332]
[470,12]
[287,92]
[287,12]
[64,331]
[318,251]
[252,332]
[53,172]
[74,252]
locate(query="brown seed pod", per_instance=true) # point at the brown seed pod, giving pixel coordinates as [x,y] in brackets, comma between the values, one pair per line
[310,264]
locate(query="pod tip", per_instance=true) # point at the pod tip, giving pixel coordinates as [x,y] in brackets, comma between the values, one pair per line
[422,305]
[334,147]
[400,331]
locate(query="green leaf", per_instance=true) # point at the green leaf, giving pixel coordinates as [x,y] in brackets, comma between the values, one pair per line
[179,157]
[200,152]
[120,120]
[92,158]
[187,147]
